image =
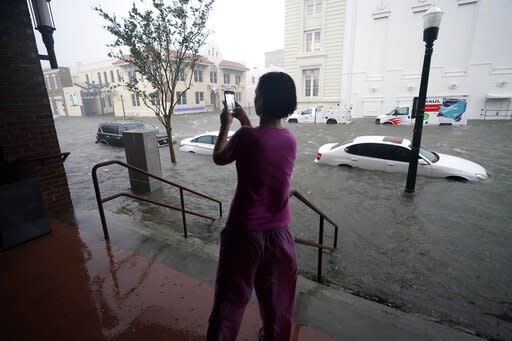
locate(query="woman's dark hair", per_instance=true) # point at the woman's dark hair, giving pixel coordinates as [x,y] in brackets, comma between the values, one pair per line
[277,94]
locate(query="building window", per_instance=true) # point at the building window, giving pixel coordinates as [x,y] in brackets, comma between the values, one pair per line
[237,79]
[155,100]
[311,82]
[135,100]
[73,99]
[213,77]
[132,76]
[109,99]
[105,76]
[55,82]
[199,97]
[238,97]
[198,76]
[112,76]
[226,78]
[253,80]
[182,97]
[48,83]
[87,78]
[118,76]
[312,40]
[182,76]
[99,77]
[313,7]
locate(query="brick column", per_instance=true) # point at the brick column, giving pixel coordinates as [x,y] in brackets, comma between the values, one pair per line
[27,130]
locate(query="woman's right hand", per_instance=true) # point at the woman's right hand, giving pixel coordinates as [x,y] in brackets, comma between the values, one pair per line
[241,115]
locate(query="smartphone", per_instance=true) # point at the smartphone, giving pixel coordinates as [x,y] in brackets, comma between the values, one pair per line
[229,97]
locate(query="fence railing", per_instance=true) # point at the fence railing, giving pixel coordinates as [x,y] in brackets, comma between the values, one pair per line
[496,114]
[320,245]
[184,212]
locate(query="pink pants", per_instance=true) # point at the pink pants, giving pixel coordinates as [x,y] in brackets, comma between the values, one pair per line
[265,260]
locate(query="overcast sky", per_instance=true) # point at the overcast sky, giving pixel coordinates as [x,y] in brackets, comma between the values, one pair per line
[243,29]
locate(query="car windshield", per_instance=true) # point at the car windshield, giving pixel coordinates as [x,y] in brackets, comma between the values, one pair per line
[430,156]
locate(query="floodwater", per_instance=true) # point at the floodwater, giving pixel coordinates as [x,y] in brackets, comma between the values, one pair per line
[445,253]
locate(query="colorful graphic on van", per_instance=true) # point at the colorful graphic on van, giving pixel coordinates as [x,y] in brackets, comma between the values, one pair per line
[453,108]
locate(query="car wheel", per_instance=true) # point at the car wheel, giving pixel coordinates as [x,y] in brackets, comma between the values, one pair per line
[456,178]
[331,121]
[103,142]
[292,120]
[387,123]
[191,151]
[344,165]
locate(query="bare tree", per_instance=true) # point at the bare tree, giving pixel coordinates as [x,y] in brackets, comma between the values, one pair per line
[163,44]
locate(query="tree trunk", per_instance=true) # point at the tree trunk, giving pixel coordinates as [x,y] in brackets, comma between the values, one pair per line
[171,146]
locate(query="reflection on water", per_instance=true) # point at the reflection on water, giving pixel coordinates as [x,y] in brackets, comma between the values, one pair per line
[446,253]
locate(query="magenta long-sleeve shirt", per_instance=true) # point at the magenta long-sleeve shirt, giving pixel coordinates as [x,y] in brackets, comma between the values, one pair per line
[264,161]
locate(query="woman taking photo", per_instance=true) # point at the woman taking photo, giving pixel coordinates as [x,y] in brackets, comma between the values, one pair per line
[257,248]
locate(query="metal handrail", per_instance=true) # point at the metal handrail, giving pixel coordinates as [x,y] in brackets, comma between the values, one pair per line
[320,245]
[100,200]
[62,157]
[496,113]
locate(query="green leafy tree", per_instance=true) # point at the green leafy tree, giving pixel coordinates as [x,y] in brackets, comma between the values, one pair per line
[163,44]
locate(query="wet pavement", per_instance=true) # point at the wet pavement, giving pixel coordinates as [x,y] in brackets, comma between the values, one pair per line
[74,285]
[71,285]
[446,253]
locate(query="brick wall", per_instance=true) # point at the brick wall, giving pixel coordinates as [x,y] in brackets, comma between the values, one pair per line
[27,130]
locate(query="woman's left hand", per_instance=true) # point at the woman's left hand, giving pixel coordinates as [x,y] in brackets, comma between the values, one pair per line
[225,117]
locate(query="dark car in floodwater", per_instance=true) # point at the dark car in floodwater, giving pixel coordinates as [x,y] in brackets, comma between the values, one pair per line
[111,133]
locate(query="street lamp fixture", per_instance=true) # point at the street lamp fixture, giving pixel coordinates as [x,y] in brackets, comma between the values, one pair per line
[431,23]
[43,19]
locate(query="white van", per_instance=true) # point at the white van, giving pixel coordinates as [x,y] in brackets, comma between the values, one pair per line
[438,111]
[320,115]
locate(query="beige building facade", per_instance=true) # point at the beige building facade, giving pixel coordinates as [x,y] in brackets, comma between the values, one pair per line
[97,87]
[313,49]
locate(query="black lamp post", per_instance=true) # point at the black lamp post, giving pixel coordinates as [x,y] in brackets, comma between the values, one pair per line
[43,19]
[431,22]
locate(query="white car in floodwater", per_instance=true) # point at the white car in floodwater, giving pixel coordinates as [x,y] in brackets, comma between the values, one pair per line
[391,154]
[201,144]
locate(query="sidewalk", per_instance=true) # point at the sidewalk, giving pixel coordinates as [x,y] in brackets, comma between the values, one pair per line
[72,285]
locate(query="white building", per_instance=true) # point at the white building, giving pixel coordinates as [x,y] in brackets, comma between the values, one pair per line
[274,58]
[369,54]
[384,49]
[313,49]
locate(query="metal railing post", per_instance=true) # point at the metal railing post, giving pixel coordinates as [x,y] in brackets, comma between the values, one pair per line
[183,213]
[318,245]
[320,251]
[100,203]
[335,245]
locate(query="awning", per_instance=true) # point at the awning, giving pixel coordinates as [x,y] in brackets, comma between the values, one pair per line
[491,95]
